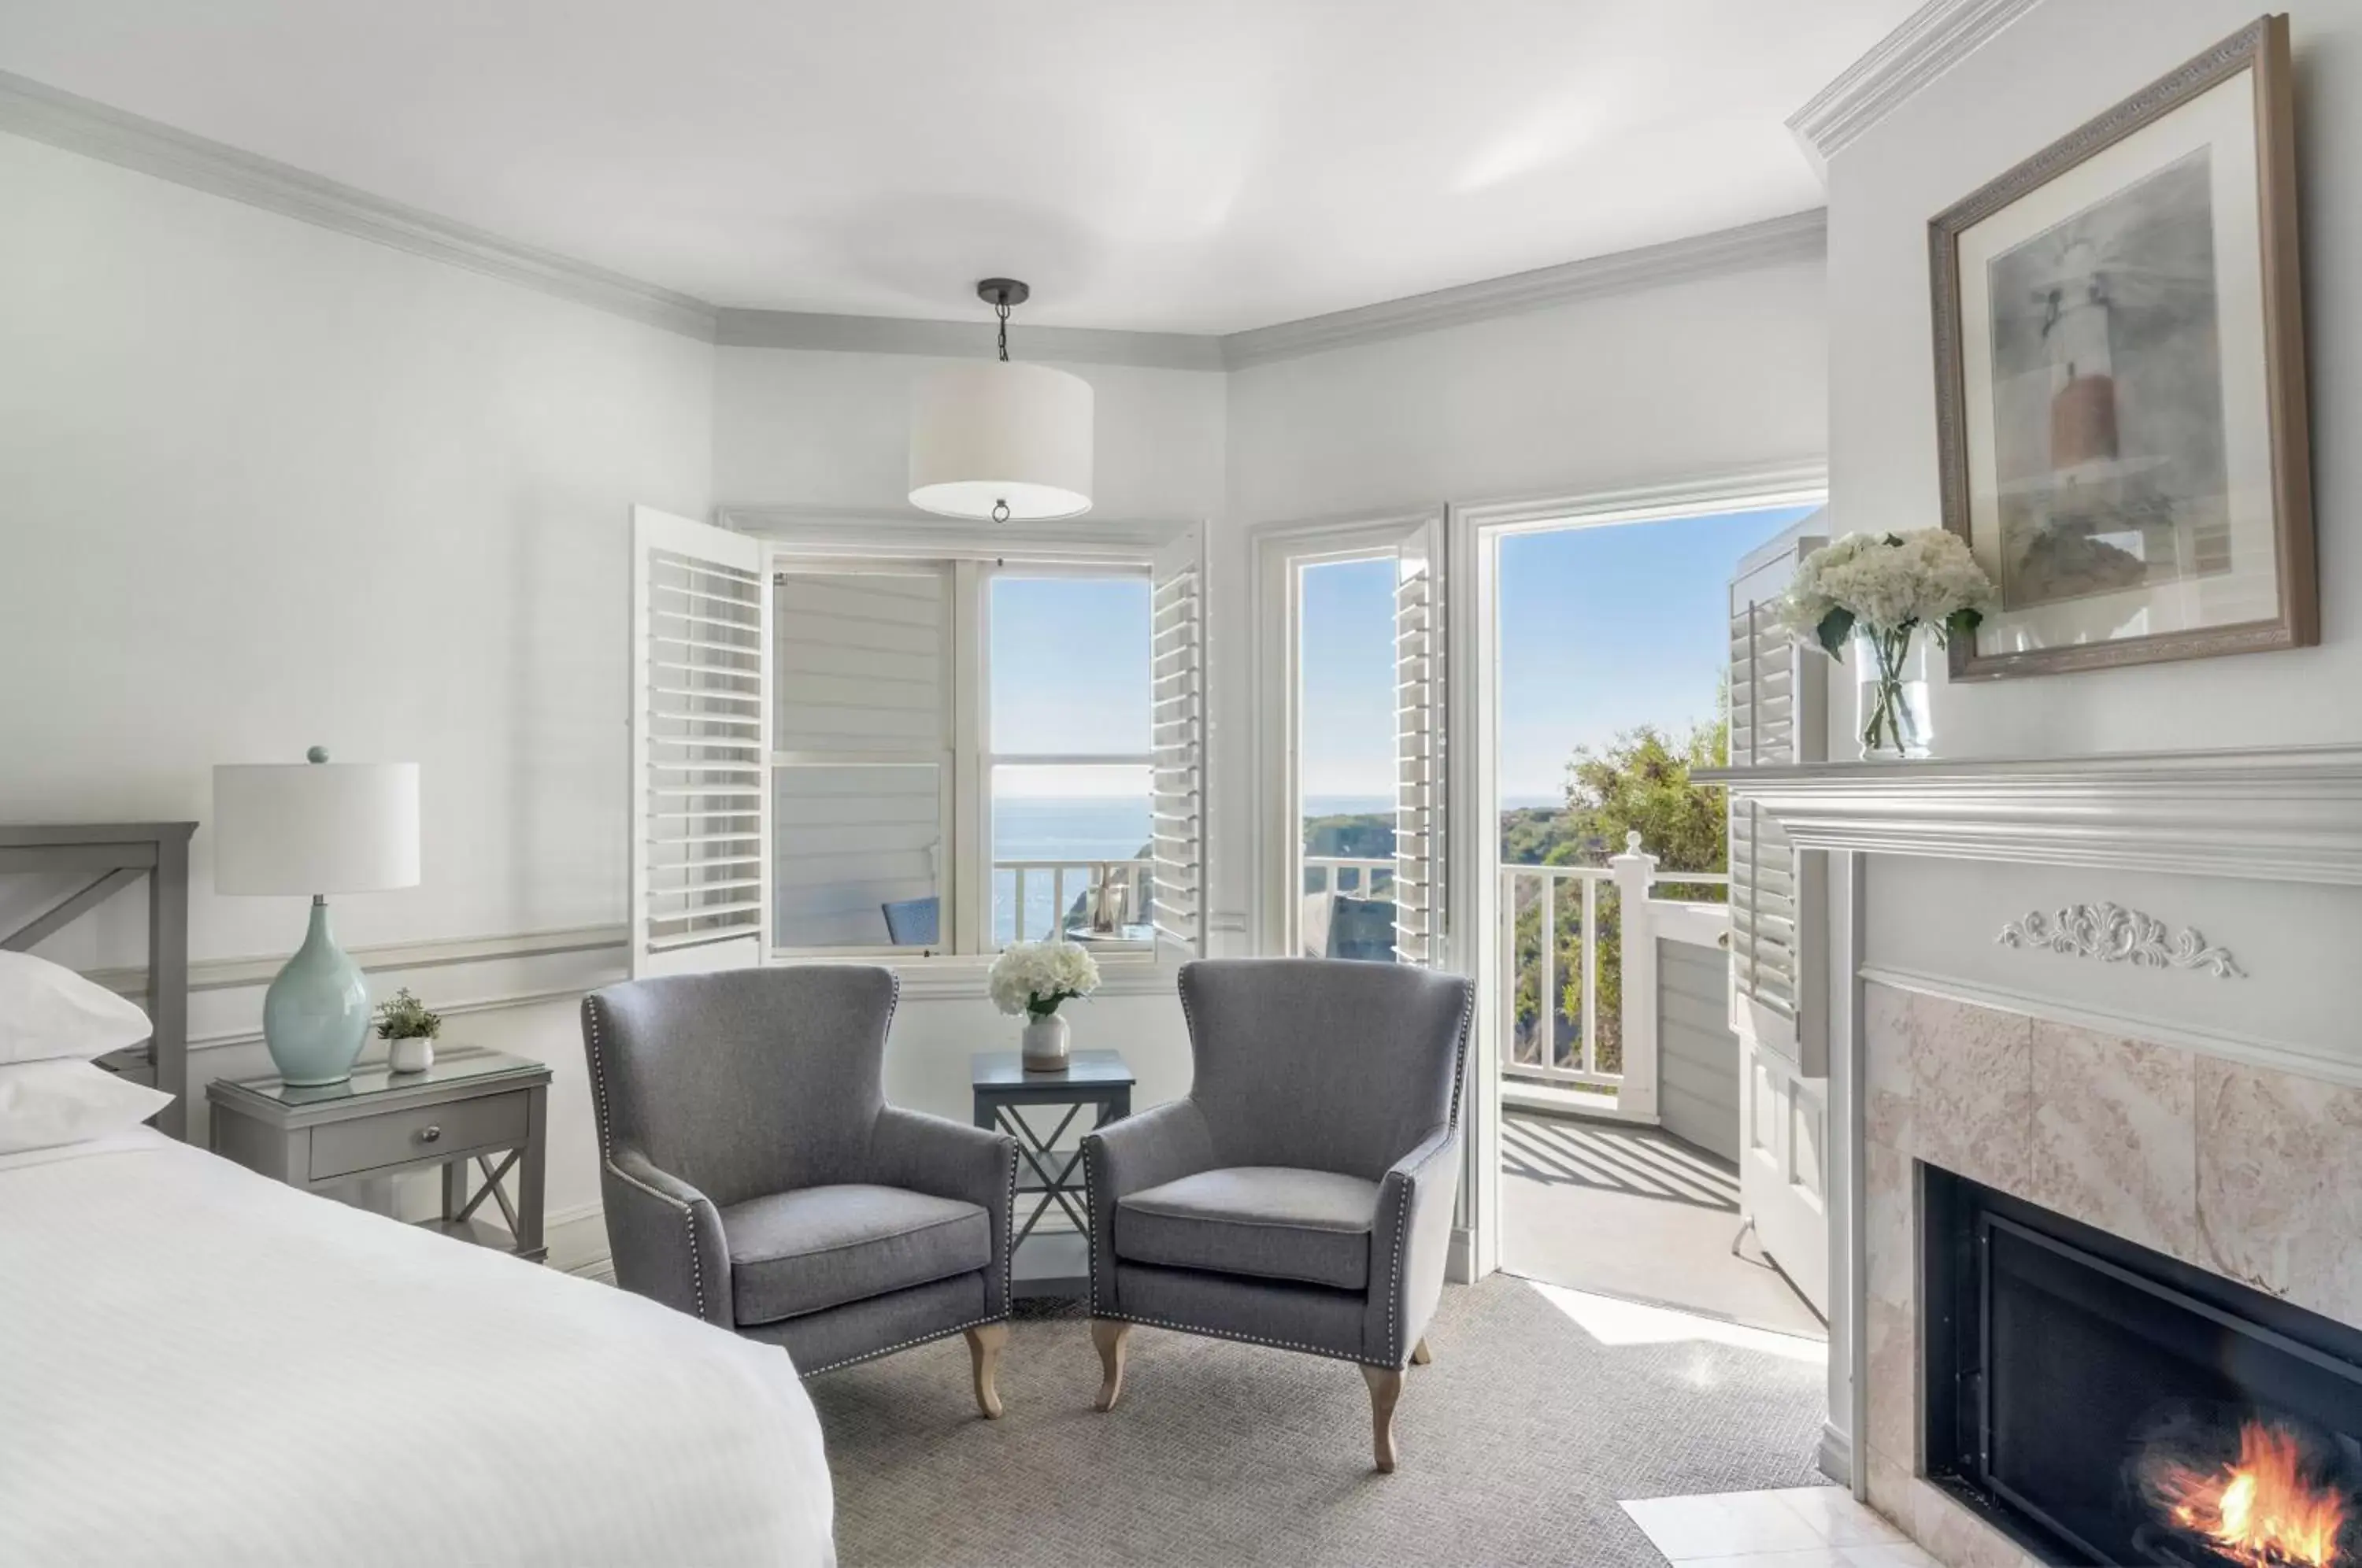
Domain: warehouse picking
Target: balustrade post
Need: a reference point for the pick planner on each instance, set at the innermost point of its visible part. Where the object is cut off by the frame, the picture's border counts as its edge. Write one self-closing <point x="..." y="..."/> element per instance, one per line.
<point x="1635" y="871"/>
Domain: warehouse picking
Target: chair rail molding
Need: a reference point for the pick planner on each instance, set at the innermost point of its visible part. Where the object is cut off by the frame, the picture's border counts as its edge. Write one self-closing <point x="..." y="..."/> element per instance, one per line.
<point x="2288" y="815"/>
<point x="1931" y="40"/>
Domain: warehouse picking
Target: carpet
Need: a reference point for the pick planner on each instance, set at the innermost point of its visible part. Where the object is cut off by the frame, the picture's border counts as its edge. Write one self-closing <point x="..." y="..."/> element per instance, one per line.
<point x="1515" y="1445"/>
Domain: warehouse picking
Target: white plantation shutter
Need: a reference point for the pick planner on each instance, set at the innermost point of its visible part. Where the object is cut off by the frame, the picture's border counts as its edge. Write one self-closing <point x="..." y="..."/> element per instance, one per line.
<point x="1778" y="715"/>
<point x="1176" y="698"/>
<point x="1418" y="747"/>
<point x="700" y="678"/>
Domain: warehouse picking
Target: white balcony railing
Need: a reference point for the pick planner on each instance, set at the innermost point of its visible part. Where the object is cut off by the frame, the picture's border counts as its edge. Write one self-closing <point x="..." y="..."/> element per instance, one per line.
<point x="1556" y="921"/>
<point x="1357" y="877"/>
<point x="1113" y="893"/>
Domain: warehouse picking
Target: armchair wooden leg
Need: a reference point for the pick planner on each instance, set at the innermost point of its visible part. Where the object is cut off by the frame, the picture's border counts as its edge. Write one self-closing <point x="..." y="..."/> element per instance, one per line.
<point x="1113" y="1337"/>
<point x="984" y="1355"/>
<point x="1386" y="1387"/>
<point x="1418" y="1355"/>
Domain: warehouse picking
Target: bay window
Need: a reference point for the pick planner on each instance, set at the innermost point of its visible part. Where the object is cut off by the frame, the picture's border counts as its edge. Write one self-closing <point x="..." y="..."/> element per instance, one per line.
<point x="962" y="751"/>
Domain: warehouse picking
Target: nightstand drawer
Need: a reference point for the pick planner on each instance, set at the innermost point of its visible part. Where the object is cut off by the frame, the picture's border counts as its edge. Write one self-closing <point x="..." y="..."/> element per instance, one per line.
<point x="341" y="1148"/>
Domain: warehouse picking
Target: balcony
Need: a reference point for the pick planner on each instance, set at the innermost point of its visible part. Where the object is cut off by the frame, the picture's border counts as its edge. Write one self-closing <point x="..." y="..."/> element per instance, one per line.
<point x="1110" y="902"/>
<point x="1582" y="982"/>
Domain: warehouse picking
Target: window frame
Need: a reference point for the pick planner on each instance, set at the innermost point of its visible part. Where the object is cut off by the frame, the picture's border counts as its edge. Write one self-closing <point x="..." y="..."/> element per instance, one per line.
<point x="943" y="758"/>
<point x="1281" y="553"/>
<point x="985" y="861"/>
<point x="797" y="540"/>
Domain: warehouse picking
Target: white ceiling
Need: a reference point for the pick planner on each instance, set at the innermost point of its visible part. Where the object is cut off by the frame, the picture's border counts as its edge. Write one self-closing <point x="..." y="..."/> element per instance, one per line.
<point x="1170" y="165"/>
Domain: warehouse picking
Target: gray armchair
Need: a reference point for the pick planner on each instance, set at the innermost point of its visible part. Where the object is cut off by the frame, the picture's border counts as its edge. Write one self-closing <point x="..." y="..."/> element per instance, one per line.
<point x="755" y="1177"/>
<point x="1301" y="1195"/>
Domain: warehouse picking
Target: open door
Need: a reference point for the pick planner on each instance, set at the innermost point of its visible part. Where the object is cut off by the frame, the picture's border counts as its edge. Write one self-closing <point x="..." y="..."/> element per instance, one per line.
<point x="1419" y="745"/>
<point x="1177" y="710"/>
<point x="700" y="850"/>
<point x="1778" y="910"/>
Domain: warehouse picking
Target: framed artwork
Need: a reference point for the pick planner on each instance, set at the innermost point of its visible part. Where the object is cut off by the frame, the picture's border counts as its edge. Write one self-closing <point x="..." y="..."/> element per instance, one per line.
<point x="2120" y="381"/>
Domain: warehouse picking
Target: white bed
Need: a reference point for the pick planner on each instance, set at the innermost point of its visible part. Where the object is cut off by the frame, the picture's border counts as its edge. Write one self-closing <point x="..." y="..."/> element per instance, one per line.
<point x="200" y="1366"/>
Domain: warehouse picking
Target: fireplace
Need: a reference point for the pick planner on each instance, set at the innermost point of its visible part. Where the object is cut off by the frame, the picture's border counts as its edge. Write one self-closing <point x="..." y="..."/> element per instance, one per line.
<point x="2103" y="1403"/>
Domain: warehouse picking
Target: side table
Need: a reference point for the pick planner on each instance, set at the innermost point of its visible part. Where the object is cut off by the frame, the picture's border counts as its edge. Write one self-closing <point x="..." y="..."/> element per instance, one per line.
<point x="471" y="1106"/>
<point x="1003" y="1090"/>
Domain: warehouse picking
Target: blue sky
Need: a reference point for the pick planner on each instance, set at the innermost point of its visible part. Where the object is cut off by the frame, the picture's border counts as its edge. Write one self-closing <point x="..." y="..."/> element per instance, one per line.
<point x="1602" y="629"/>
<point x="1070" y="675"/>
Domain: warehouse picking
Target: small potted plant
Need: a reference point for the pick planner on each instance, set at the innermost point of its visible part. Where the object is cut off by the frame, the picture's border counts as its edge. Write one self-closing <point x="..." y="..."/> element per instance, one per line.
<point x="1881" y="591"/>
<point x="1033" y="978"/>
<point x="409" y="1030"/>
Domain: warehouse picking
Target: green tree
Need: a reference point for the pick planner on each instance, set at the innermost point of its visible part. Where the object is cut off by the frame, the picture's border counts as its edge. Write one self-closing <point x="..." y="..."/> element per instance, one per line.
<point x="1639" y="783"/>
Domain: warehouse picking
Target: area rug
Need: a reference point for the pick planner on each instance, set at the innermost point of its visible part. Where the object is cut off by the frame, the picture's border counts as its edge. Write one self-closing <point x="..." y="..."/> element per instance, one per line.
<point x="1515" y="1445"/>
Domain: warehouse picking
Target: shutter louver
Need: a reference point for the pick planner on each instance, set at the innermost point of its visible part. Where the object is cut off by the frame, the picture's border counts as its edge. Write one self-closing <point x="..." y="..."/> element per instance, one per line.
<point x="700" y="813"/>
<point x="1176" y="698"/>
<point x="1418" y="750"/>
<point x="1777" y="717"/>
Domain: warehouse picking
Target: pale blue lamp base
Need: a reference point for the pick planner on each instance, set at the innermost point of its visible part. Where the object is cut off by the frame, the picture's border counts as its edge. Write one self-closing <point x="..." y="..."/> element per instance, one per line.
<point x="316" y="1014"/>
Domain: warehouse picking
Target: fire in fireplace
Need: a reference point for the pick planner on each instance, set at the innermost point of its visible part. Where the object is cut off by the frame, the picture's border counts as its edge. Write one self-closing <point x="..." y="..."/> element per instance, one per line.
<point x="2103" y="1403"/>
<point x="2277" y="1504"/>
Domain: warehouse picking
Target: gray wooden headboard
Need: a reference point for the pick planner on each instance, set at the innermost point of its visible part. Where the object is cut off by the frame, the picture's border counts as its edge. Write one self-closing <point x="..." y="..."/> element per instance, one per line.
<point x="116" y="855"/>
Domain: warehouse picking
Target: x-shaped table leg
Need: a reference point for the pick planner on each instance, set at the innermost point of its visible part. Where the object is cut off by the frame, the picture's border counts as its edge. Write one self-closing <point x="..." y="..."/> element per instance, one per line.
<point x="492" y="1189"/>
<point x="1036" y="1149"/>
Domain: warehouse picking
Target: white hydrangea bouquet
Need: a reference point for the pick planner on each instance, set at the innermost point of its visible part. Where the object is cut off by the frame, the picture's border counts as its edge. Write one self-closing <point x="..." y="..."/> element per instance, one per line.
<point x="1879" y="589"/>
<point x="1035" y="979"/>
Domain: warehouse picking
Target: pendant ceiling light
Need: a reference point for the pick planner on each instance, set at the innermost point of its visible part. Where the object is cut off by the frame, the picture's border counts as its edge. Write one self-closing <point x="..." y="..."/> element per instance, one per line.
<point x="1000" y="440"/>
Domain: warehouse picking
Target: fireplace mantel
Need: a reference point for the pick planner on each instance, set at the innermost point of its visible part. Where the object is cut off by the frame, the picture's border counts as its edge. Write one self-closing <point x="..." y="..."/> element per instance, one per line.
<point x="2292" y="814"/>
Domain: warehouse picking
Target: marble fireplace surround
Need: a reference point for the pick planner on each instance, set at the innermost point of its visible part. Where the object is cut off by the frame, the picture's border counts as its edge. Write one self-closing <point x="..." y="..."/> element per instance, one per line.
<point x="2103" y="1100"/>
<point x="2243" y="1170"/>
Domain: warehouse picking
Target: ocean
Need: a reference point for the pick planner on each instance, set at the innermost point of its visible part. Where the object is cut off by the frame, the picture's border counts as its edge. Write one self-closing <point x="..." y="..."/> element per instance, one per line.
<point x="1073" y="830"/>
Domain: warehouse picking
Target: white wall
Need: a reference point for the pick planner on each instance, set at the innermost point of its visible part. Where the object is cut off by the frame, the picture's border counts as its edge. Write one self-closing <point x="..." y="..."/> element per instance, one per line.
<point x="2039" y="78"/>
<point x="263" y="485"/>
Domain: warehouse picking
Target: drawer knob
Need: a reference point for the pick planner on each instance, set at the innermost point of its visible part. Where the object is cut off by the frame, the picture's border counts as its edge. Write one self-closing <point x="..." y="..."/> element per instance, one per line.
<point x="428" y="1134"/>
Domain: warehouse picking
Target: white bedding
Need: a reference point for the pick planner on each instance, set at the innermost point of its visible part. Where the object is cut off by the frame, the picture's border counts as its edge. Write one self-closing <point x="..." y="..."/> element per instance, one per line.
<point x="199" y="1366"/>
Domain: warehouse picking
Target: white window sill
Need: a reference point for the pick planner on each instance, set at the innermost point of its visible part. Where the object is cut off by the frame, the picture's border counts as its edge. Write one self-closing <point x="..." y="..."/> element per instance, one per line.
<point x="956" y="976"/>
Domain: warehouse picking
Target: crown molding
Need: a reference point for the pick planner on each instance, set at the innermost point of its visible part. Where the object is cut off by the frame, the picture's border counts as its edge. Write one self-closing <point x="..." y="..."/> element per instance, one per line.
<point x="2280" y="815"/>
<point x="1931" y="40"/>
<point x="819" y="332"/>
<point x="30" y="109"/>
<point x="1799" y="236"/>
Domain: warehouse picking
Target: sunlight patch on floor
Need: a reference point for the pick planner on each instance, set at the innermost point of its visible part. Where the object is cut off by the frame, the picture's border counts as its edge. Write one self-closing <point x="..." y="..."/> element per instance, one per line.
<point x="1614" y="1321"/>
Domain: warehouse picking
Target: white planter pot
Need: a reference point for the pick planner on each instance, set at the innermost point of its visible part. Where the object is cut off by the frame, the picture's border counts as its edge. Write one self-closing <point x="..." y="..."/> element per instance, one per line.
<point x="1043" y="1044"/>
<point x="412" y="1055"/>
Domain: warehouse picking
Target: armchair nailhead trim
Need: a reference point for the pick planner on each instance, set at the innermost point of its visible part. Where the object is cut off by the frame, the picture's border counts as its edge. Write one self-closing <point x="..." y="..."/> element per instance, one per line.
<point x="1001" y="1317"/>
<point x="607" y="1156"/>
<point x="1203" y="1333"/>
<point x="598" y="1074"/>
<point x="688" y="1224"/>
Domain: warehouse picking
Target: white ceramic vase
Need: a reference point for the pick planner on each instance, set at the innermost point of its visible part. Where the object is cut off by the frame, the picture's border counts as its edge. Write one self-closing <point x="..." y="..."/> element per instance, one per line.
<point x="412" y="1054"/>
<point x="1043" y="1046"/>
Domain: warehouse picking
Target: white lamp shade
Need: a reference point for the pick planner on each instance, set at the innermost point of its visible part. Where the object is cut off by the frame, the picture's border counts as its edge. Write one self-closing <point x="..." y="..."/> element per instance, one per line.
<point x="997" y="434"/>
<point x="315" y="827"/>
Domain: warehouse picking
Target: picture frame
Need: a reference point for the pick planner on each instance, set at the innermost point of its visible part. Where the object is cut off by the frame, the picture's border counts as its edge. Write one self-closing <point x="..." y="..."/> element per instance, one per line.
<point x="2120" y="384"/>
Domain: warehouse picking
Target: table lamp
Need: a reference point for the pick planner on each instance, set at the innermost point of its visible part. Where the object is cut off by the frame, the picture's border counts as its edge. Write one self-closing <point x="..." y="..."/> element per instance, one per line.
<point x="315" y="827"/>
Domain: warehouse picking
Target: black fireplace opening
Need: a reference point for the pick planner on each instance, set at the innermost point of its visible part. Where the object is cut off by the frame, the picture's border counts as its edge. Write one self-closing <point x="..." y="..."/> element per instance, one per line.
<point x="2103" y="1403"/>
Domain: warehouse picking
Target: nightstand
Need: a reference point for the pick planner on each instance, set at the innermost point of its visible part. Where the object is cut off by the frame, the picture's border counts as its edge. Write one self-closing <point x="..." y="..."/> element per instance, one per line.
<point x="1058" y="1263"/>
<point x="472" y="1108"/>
